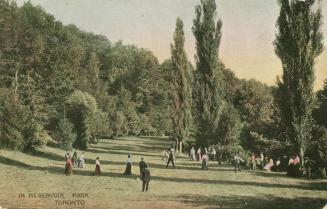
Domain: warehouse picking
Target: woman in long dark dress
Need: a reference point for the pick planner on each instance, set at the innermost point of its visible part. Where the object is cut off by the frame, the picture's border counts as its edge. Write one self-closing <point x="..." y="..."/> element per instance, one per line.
<point x="97" y="167"/>
<point x="128" y="170"/>
<point x="69" y="166"/>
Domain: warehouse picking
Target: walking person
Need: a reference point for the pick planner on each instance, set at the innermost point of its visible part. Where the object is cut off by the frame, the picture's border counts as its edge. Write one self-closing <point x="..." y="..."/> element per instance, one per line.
<point x="213" y="152"/>
<point x="142" y="166"/>
<point x="171" y="159"/>
<point x="81" y="161"/>
<point x="75" y="159"/>
<point x="262" y="160"/>
<point x="128" y="170"/>
<point x="192" y="154"/>
<point x="237" y="162"/>
<point x="253" y="161"/>
<point x="97" y="167"/>
<point x="205" y="162"/>
<point x="146" y="179"/>
<point x="198" y="154"/>
<point x="69" y="166"/>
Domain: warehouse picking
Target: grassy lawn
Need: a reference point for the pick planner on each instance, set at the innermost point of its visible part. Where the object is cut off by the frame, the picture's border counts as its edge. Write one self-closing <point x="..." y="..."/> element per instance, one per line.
<point x="186" y="186"/>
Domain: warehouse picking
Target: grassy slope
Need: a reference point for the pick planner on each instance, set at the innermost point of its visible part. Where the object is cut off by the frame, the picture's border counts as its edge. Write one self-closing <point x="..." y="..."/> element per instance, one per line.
<point x="184" y="187"/>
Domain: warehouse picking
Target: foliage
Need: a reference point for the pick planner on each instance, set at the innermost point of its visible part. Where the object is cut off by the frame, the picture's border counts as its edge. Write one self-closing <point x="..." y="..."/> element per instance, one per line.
<point x="181" y="92"/>
<point x="65" y="134"/>
<point x="207" y="89"/>
<point x="298" y="43"/>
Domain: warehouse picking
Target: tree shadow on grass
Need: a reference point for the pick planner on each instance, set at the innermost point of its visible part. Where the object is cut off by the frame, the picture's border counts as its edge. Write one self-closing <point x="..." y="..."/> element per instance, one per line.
<point x="248" y="202"/>
<point x="303" y="186"/>
<point x="52" y="169"/>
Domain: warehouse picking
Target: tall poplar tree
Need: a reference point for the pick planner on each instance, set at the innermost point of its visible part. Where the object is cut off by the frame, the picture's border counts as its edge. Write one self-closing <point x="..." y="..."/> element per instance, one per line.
<point x="181" y="93"/>
<point x="208" y="75"/>
<point x="298" y="43"/>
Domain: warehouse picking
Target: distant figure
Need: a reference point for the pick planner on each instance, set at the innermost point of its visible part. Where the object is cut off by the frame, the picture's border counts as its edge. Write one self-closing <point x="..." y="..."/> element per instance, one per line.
<point x="192" y="153"/>
<point x="296" y="160"/>
<point x="75" y="158"/>
<point x="206" y="151"/>
<point x="97" y="167"/>
<point x="205" y="162"/>
<point x="198" y="154"/>
<point x="128" y="170"/>
<point x="81" y="161"/>
<point x="262" y="160"/>
<point x="277" y="166"/>
<point x="213" y="152"/>
<point x="142" y="166"/>
<point x="146" y="179"/>
<point x="69" y="166"/>
<point x="307" y="166"/>
<point x="67" y="155"/>
<point x="237" y="162"/>
<point x="269" y="165"/>
<point x="253" y="161"/>
<point x="164" y="155"/>
<point x="171" y="158"/>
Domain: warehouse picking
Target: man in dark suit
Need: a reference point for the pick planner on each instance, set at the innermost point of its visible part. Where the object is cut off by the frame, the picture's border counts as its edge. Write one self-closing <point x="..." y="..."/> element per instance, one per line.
<point x="145" y="179"/>
<point x="142" y="166"/>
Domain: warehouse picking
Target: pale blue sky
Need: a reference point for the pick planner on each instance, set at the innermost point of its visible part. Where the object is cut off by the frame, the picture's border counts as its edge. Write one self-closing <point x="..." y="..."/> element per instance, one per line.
<point x="248" y="29"/>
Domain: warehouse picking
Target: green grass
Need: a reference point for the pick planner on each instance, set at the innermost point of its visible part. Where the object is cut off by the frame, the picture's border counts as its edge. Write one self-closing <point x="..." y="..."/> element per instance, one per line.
<point x="186" y="186"/>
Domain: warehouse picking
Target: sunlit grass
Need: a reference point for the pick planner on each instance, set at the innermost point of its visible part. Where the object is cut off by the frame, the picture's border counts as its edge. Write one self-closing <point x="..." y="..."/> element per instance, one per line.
<point x="186" y="186"/>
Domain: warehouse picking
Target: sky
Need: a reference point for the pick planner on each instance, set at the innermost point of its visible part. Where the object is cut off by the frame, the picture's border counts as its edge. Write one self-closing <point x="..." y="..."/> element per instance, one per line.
<point x="248" y="29"/>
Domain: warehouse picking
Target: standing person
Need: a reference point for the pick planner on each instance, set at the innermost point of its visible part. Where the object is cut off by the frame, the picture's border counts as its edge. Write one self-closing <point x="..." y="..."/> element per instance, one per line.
<point x="97" y="167"/>
<point x="205" y="162"/>
<point x="254" y="161"/>
<point x="261" y="160"/>
<point x="198" y="154"/>
<point x="81" y="161"/>
<point x="171" y="159"/>
<point x="192" y="153"/>
<point x="307" y="166"/>
<point x="213" y="152"/>
<point x="75" y="158"/>
<point x="128" y="170"/>
<point x="146" y="179"/>
<point x="67" y="155"/>
<point x="69" y="166"/>
<point x="142" y="166"/>
<point x="237" y="162"/>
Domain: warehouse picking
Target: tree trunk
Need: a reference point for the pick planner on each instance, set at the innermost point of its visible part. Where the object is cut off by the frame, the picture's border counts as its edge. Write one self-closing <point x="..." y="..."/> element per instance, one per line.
<point x="180" y="147"/>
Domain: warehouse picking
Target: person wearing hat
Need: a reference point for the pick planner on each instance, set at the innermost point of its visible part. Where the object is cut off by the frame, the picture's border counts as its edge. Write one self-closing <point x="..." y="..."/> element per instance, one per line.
<point x="142" y="166"/>
<point x="145" y="179"/>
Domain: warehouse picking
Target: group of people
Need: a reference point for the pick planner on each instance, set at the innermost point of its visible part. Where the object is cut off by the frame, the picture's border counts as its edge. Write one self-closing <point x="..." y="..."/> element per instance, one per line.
<point x="203" y="156"/>
<point x="198" y="155"/>
<point x="74" y="161"/>
<point x="263" y="162"/>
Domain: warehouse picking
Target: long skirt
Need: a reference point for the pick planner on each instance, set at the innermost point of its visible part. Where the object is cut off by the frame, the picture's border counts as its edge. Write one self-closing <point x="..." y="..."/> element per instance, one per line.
<point x="97" y="170"/>
<point x="68" y="170"/>
<point x="128" y="170"/>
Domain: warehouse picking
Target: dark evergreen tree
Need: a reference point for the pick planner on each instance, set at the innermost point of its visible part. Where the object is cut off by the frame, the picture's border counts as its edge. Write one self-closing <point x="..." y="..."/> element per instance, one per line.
<point x="298" y="43"/>
<point x="181" y="93"/>
<point x="208" y="76"/>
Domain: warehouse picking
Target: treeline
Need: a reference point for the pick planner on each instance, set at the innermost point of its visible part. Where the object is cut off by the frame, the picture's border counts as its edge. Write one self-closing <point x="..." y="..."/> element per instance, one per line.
<point x="58" y="83"/>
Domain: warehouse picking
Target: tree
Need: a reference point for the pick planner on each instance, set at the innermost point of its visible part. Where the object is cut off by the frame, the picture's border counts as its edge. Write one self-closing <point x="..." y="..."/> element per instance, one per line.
<point x="298" y="43"/>
<point x="207" y="91"/>
<point x="321" y="111"/>
<point x="181" y="93"/>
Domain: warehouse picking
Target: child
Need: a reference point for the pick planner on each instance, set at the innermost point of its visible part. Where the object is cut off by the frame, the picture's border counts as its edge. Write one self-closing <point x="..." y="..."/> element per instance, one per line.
<point x="97" y="167"/>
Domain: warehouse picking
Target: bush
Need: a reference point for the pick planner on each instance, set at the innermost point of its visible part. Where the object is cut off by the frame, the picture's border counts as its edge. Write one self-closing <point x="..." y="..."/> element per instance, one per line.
<point x="65" y="134"/>
<point x="83" y="112"/>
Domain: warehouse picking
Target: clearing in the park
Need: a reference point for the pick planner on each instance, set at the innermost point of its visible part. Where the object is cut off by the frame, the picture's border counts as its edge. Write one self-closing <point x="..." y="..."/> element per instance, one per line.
<point x="38" y="181"/>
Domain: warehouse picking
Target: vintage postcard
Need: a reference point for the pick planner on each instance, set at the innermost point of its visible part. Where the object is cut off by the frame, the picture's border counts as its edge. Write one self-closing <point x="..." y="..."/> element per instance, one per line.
<point x="163" y="104"/>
